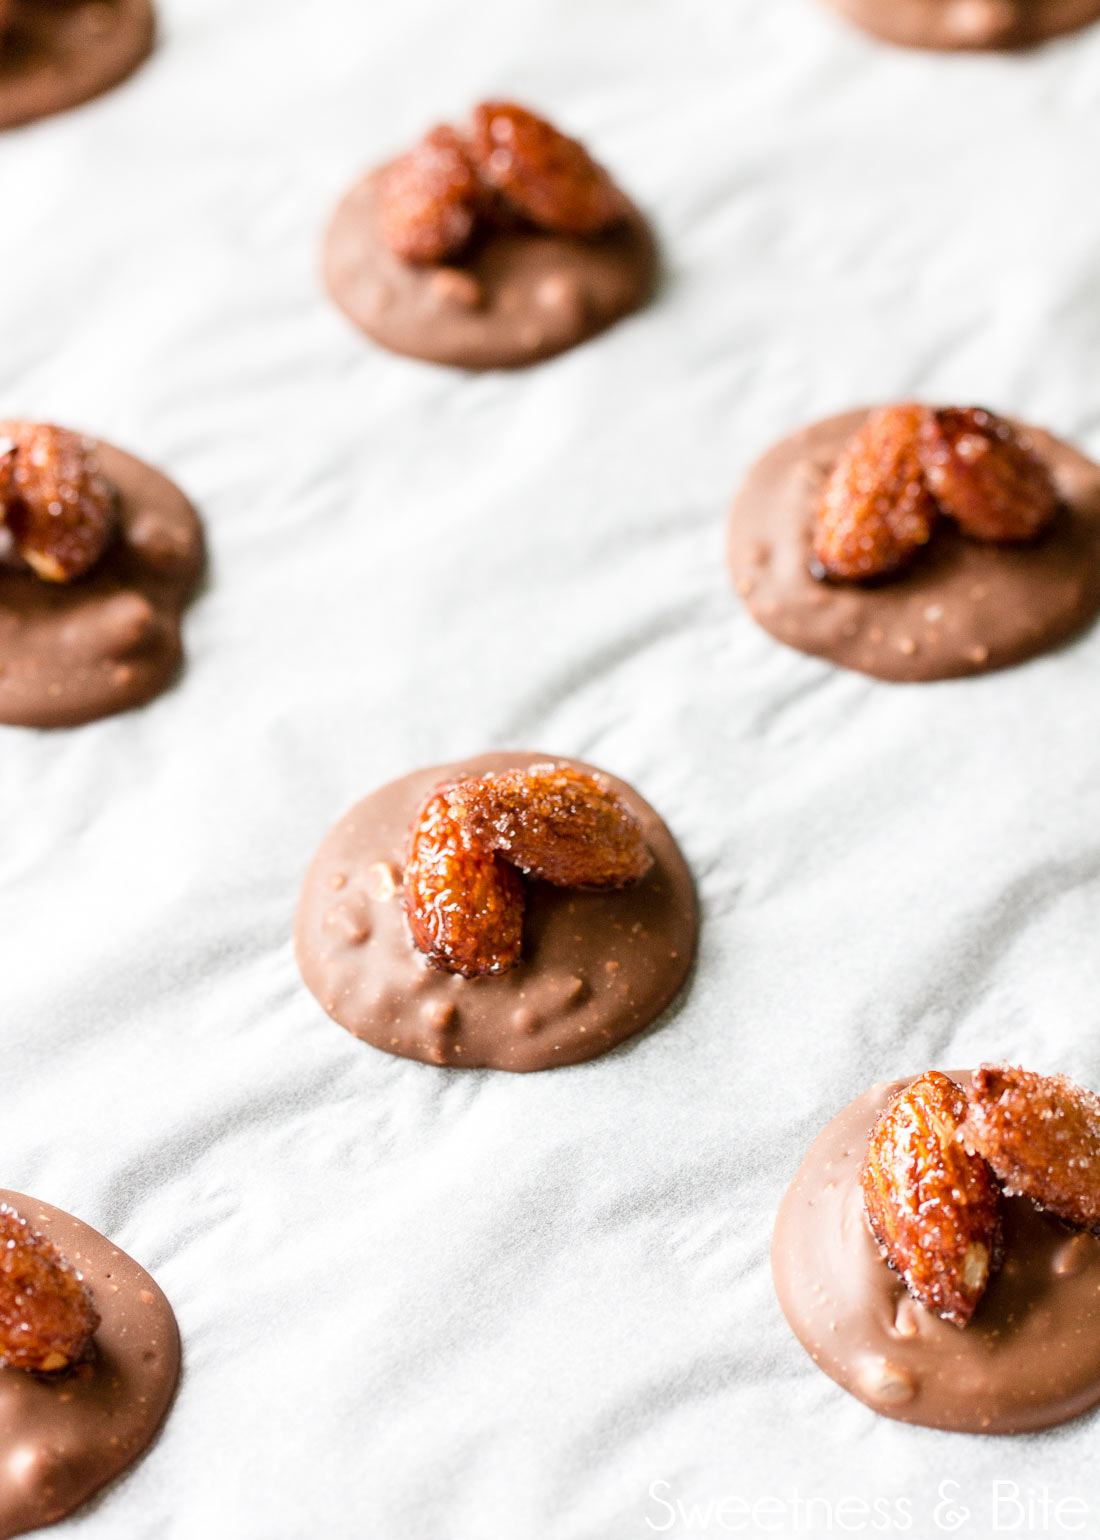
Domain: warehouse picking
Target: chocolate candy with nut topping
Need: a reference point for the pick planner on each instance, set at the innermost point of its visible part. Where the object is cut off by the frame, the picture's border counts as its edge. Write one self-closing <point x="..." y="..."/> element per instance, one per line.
<point x="961" y="607"/>
<point x="109" y="640"/>
<point x="596" y="967"/>
<point x="63" y="1435"/>
<point x="1030" y="1356"/>
<point x="556" y="254"/>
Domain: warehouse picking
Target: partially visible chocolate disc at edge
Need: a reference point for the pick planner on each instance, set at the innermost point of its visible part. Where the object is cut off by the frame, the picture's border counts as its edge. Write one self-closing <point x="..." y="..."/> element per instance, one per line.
<point x="62" y="1438"/>
<point x="955" y="24"/>
<point x="72" y="652"/>
<point x="1030" y="1357"/>
<point x="962" y="607"/>
<point x="55" y="54"/>
<point x="596" y="967"/>
<point x="514" y="299"/>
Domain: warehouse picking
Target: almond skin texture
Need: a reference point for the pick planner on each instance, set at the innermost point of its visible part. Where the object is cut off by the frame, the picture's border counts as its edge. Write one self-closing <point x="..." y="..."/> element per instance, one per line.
<point x="57" y="504"/>
<point x="429" y="199"/>
<point x="556" y="823"/>
<point x="931" y="1204"/>
<point x="1041" y="1136"/>
<point x="876" y="511"/>
<point x="551" y="179"/>
<point x="985" y="475"/>
<point x="464" y="904"/>
<point x="47" y="1318"/>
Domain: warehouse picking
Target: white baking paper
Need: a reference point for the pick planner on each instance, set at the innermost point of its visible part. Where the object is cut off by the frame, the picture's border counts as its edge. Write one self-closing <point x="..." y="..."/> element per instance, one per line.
<point x="422" y="1304"/>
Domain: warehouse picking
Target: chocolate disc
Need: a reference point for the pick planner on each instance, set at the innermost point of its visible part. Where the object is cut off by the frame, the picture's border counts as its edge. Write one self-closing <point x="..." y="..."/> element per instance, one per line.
<point x="515" y="299"/>
<point x="56" y="53"/>
<point x="1030" y="1357"/>
<point x="962" y="607"/>
<point x="954" y="24"/>
<point x="71" y="652"/>
<point x="596" y="967"/>
<point x="62" y="1438"/>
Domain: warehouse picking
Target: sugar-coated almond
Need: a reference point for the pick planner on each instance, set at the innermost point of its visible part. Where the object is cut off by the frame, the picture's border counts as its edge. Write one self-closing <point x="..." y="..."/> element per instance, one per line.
<point x="1041" y="1136"/>
<point x="932" y="1205"/>
<point x="464" y="904"/>
<point x="47" y="1318"/>
<point x="557" y="823"/>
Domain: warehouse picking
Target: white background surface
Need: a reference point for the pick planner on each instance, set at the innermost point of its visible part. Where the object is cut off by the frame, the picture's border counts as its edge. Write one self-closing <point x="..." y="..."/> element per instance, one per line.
<point x="426" y="1303"/>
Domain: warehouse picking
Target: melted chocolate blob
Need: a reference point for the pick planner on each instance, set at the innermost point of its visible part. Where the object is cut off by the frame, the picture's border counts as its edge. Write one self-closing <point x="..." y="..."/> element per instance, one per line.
<point x="596" y="968"/>
<point x="952" y="24"/>
<point x="962" y="607"/>
<point x="514" y="299"/>
<point x="71" y="652"/>
<point x="1030" y="1357"/>
<point x="57" y="53"/>
<point x="62" y="1438"/>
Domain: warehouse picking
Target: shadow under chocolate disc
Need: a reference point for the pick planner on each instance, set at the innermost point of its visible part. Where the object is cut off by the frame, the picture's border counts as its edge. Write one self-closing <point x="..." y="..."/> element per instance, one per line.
<point x="596" y="967"/>
<point x="962" y="607"/>
<point x="73" y="652"/>
<point x="1029" y="1359"/>
<point x="955" y="24"/>
<point x="514" y="299"/>
<point x="58" y="53"/>
<point x="61" y="1439"/>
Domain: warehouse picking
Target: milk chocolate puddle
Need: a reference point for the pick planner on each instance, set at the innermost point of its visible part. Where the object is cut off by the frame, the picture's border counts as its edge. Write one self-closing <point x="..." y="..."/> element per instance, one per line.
<point x="597" y="967"/>
<point x="72" y="652"/>
<point x="514" y="299"/>
<point x="58" y="53"/>
<point x="1029" y="1359"/>
<point x="963" y="607"/>
<point x="62" y="1439"/>
<point x="954" y="24"/>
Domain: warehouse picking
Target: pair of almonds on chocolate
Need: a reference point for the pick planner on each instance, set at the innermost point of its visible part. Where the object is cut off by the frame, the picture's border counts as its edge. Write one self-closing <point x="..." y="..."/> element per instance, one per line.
<point x="508" y="168"/>
<point x="598" y="963"/>
<point x="464" y="896"/>
<point x="908" y="467"/>
<point x="939" y="1156"/>
<point x="57" y="506"/>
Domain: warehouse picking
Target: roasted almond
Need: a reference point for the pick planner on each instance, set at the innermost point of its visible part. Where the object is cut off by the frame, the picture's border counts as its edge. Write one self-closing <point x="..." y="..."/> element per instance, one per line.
<point x="985" y="474"/>
<point x="876" y="511"/>
<point x="549" y="178"/>
<point x="47" y="1318"/>
<point x="464" y="904"/>
<point x="1040" y="1135"/>
<point x="931" y="1204"/>
<point x="429" y="199"/>
<point x="56" y="502"/>
<point x="557" y="823"/>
